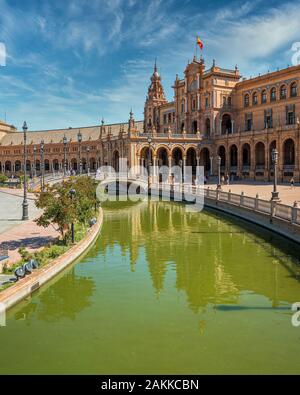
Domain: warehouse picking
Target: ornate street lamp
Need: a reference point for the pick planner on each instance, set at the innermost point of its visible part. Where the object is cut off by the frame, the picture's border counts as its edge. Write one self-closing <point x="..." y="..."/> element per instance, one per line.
<point x="65" y="141"/>
<point x="72" y="195"/>
<point x="219" y="172"/>
<point x="34" y="161"/>
<point x="42" y="165"/>
<point x="88" y="160"/>
<point x="79" y="138"/>
<point x="25" y="202"/>
<point x="275" y="193"/>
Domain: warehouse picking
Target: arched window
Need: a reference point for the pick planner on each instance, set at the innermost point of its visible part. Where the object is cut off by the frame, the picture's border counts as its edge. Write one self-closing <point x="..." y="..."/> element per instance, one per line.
<point x="273" y="94"/>
<point x="182" y="107"/>
<point x="194" y="127"/>
<point x="246" y="100"/>
<point x="207" y="127"/>
<point x="289" y="152"/>
<point x="283" y="92"/>
<point x="233" y="156"/>
<point x="264" y="96"/>
<point x="246" y="155"/>
<point x="226" y="125"/>
<point x="294" y="89"/>
<point x="260" y="154"/>
<point x="254" y="99"/>
<point x="222" y="154"/>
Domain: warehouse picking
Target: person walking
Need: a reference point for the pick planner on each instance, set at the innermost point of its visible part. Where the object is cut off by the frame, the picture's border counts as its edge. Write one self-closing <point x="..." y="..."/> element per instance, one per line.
<point x="292" y="182"/>
<point x="227" y="179"/>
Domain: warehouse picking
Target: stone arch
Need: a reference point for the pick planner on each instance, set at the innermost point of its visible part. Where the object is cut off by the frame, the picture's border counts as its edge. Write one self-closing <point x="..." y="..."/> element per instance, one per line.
<point x="254" y="98"/>
<point x="93" y="164"/>
<point x="194" y="127"/>
<point x="191" y="159"/>
<point x="47" y="165"/>
<point x="55" y="165"/>
<point x="177" y="156"/>
<point x="37" y="165"/>
<point x="207" y="127"/>
<point x="7" y="166"/>
<point x="289" y="152"/>
<point x="246" y="100"/>
<point x="18" y="166"/>
<point x="246" y="155"/>
<point x="205" y="159"/>
<point x="115" y="160"/>
<point x="273" y="94"/>
<point x="293" y="89"/>
<point x="233" y="156"/>
<point x="260" y="154"/>
<point x="283" y="91"/>
<point x="28" y="165"/>
<point x="162" y="154"/>
<point x="222" y="155"/>
<point x="74" y="164"/>
<point x="146" y="157"/>
<point x="226" y="124"/>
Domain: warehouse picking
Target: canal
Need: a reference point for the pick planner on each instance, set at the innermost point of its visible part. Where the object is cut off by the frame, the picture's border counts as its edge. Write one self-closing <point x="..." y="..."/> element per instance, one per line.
<point x="164" y="290"/>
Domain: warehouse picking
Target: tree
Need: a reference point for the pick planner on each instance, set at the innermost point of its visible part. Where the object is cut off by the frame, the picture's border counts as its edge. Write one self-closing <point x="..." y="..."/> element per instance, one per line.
<point x="3" y="178"/>
<point x="59" y="208"/>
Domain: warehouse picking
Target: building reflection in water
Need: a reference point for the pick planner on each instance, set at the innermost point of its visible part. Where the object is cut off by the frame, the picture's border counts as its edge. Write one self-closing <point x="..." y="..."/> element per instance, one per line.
<point x="210" y="259"/>
<point x="215" y="259"/>
<point x="57" y="301"/>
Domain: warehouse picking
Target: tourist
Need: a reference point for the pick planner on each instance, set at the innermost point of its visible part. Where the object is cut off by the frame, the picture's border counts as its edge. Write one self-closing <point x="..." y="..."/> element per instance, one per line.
<point x="222" y="180"/>
<point x="227" y="179"/>
<point x="292" y="182"/>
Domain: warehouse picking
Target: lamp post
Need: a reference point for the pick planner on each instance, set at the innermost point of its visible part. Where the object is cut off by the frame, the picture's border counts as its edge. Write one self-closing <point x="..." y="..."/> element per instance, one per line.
<point x="88" y="160"/>
<point x="219" y="172"/>
<point x="25" y="202"/>
<point x="34" y="161"/>
<point x="79" y="138"/>
<point x="72" y="195"/>
<point x="42" y="166"/>
<point x="149" y="161"/>
<point x="275" y="193"/>
<point x="65" y="141"/>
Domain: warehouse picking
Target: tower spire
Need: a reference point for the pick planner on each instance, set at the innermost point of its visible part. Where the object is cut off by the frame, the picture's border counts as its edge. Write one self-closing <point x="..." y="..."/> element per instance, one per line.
<point x="155" y="66"/>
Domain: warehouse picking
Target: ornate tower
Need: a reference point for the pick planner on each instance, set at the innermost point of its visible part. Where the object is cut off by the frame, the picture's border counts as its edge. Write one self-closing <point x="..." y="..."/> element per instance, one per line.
<point x="155" y="98"/>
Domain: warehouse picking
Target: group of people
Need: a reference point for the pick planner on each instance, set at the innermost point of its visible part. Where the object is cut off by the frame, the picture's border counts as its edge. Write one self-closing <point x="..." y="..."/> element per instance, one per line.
<point x="225" y="179"/>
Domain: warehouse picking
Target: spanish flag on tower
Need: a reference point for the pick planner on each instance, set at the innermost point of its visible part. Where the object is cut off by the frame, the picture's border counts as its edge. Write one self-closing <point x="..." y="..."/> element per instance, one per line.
<point x="200" y="43"/>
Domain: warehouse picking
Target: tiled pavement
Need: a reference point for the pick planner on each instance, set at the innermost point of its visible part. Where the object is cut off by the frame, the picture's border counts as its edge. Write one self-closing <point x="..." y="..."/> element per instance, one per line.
<point x="15" y="233"/>
<point x="287" y="194"/>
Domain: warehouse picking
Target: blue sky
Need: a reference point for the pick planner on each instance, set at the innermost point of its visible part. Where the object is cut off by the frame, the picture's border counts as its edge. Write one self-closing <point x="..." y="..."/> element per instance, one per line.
<point x="71" y="62"/>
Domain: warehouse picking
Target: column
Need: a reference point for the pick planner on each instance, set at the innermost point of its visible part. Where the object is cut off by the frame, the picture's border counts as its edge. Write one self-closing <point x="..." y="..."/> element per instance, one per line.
<point x="184" y="168"/>
<point x="155" y="169"/>
<point x="170" y="167"/>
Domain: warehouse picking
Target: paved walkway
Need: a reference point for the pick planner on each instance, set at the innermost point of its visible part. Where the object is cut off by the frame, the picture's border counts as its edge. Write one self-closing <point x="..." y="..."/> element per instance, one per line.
<point x="15" y="233"/>
<point x="264" y="190"/>
<point x="11" y="208"/>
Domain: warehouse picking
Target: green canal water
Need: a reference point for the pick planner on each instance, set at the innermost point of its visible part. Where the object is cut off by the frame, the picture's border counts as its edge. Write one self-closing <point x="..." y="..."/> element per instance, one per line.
<point x="164" y="290"/>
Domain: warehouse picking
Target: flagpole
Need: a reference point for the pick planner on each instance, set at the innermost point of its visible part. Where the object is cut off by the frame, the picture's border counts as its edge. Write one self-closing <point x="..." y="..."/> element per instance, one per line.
<point x="196" y="49"/>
